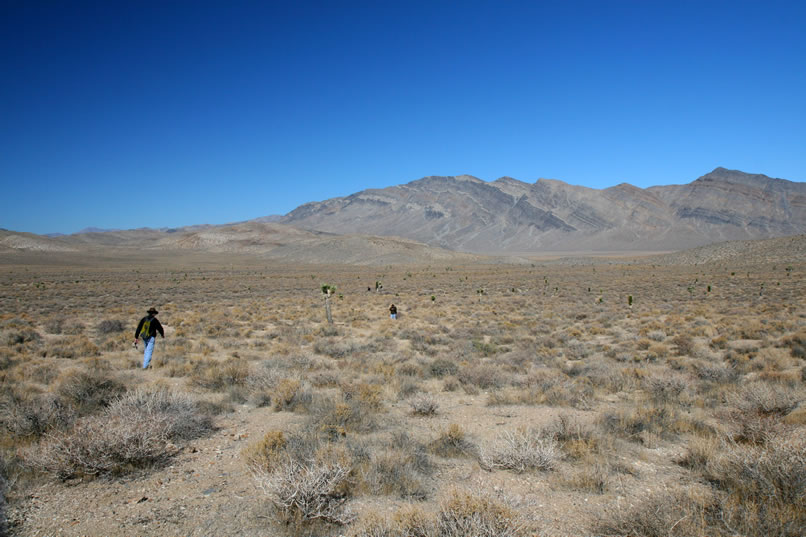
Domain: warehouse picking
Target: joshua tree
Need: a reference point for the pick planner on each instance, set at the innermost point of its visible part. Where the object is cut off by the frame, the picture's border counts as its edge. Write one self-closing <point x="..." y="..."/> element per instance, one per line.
<point x="327" y="291"/>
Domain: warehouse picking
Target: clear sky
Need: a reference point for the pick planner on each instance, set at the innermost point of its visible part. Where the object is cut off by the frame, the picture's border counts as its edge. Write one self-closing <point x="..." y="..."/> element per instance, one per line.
<point x="170" y="113"/>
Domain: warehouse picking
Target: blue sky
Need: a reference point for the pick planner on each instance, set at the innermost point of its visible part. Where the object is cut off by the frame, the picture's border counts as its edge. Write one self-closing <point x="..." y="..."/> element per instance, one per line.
<point x="171" y="113"/>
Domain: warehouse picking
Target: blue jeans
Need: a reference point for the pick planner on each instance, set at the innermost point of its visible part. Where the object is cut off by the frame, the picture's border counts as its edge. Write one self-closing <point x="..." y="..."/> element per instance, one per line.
<point x="149" y="348"/>
<point x="393" y="316"/>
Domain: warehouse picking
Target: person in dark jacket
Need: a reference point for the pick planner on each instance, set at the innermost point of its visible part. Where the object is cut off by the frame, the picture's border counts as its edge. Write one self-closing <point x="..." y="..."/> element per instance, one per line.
<point x="147" y="329"/>
<point x="393" y="312"/>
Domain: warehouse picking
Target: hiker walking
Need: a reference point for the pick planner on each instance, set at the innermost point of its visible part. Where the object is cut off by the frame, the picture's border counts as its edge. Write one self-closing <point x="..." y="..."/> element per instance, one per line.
<point x="393" y="312"/>
<point x="147" y="329"/>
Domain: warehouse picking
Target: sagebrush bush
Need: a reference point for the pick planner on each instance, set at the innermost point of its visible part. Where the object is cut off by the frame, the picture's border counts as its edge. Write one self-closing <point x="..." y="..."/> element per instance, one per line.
<point x="266" y="453"/>
<point x="134" y="432"/>
<point x="289" y="394"/>
<point x="452" y="442"/>
<point x="765" y="486"/>
<point x="88" y="390"/>
<point x="521" y="450"/>
<point x="667" y="514"/>
<point x="110" y="326"/>
<point x="178" y="413"/>
<point x="220" y="376"/>
<point x="309" y="489"/>
<point x="32" y="415"/>
<point x="424" y="404"/>
<point x="463" y="514"/>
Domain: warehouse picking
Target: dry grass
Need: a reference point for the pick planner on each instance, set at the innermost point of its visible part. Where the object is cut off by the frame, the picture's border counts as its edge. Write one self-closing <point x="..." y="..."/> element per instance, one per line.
<point x="547" y="383"/>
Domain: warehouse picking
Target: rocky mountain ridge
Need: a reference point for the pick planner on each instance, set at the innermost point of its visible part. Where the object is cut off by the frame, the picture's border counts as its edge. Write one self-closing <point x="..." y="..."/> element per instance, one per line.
<point x="508" y="216"/>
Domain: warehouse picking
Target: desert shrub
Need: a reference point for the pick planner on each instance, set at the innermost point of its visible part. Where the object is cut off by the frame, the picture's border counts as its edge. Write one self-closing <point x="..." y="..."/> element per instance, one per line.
<point x="266" y="453"/>
<point x="666" y="514"/>
<point x="665" y="389"/>
<point x="304" y="491"/>
<point x="483" y="376"/>
<point x="110" y="326"/>
<point x="700" y="452"/>
<point x="220" y="376"/>
<point x="656" y="335"/>
<point x="21" y="336"/>
<point x="553" y="390"/>
<point x="54" y="326"/>
<point x="32" y="415"/>
<point x="452" y="442"/>
<point x="593" y="478"/>
<point x="335" y="348"/>
<point x="684" y="344"/>
<point x="716" y="373"/>
<point x="521" y="450"/>
<point x="407" y="521"/>
<point x="400" y="471"/>
<point x="408" y="369"/>
<point x="290" y="394"/>
<point x="451" y="384"/>
<point x="765" y="398"/>
<point x="796" y="344"/>
<point x="765" y="486"/>
<point x="423" y="404"/>
<point x="100" y="446"/>
<point x="463" y="514"/>
<point x="88" y="390"/>
<point x="407" y="388"/>
<point x="325" y="379"/>
<point x="179" y="414"/>
<point x="442" y="367"/>
<point x="78" y="347"/>
<point x="134" y="432"/>
<point x="578" y="441"/>
<point x="3" y="518"/>
<point x="369" y="395"/>
<point x="333" y="418"/>
<point x="646" y="422"/>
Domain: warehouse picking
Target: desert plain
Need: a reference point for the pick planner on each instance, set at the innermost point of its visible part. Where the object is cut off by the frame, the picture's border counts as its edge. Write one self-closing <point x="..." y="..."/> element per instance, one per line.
<point x="655" y="395"/>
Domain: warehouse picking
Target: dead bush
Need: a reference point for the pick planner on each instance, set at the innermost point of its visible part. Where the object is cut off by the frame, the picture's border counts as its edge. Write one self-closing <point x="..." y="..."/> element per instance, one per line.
<point x="669" y="514"/>
<point x="21" y="336"/>
<point x="521" y="450"/>
<point x="306" y="491"/>
<point x="442" y="367"/>
<point x="767" y="399"/>
<point x="32" y="415"/>
<point x="88" y="390"/>
<point x="423" y="404"/>
<point x="483" y="376"/>
<point x="110" y="326"/>
<point x="221" y="376"/>
<point x="291" y="395"/>
<point x="266" y="453"/>
<point x="463" y="514"/>
<point x="134" y="432"/>
<point x="399" y="471"/>
<point x="765" y="486"/>
<point x="179" y="413"/>
<point x="452" y="442"/>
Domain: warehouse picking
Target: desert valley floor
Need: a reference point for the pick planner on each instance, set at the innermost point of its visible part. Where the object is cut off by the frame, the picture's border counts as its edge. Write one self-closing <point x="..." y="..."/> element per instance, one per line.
<point x="586" y="396"/>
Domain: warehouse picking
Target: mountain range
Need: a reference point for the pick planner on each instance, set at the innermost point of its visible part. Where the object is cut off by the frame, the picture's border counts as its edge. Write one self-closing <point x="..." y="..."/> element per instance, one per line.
<point x="458" y="218"/>
<point x="508" y="216"/>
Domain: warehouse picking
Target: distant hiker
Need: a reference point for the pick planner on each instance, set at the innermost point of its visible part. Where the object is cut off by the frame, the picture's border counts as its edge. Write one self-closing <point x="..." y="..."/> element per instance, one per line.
<point x="147" y="329"/>
<point x="393" y="312"/>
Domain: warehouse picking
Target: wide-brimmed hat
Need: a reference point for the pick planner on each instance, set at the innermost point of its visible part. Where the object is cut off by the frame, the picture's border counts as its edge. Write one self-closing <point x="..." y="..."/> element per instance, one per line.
<point x="152" y="311"/>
